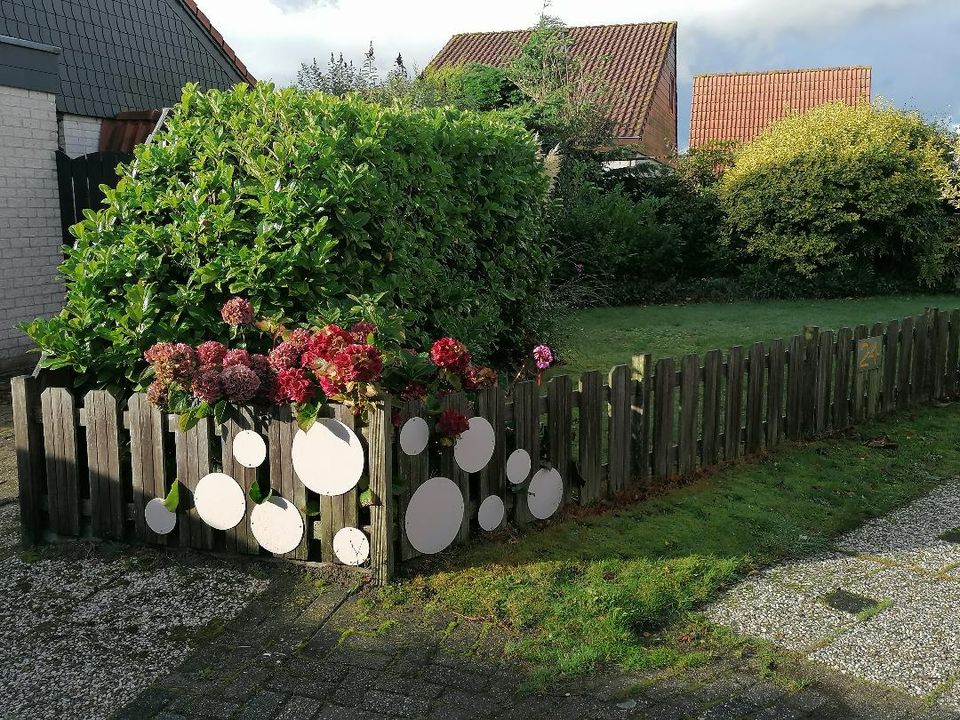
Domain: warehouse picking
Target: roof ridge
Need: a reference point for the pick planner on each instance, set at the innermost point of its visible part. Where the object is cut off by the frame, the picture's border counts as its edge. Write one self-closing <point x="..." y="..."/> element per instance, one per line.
<point x="569" y="27"/>
<point x="785" y="71"/>
<point x="218" y="40"/>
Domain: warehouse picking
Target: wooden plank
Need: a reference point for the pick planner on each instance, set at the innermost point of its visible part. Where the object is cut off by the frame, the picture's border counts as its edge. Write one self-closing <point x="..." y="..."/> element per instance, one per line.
<point x="560" y="428"/>
<point x="619" y="432"/>
<point x="811" y="339"/>
<point x="28" y="441"/>
<point x="193" y="462"/>
<point x="952" y="379"/>
<point x="905" y="363"/>
<point x="590" y="431"/>
<point x="794" y="387"/>
<point x="732" y="425"/>
<point x="108" y="505"/>
<point x="874" y="379"/>
<point x="843" y="363"/>
<point x="60" y="435"/>
<point x="940" y="332"/>
<point x="339" y="511"/>
<point x="148" y="438"/>
<point x="824" y="372"/>
<point x="858" y="400"/>
<point x="891" y="336"/>
<point x="775" y="370"/>
<point x="918" y="385"/>
<point x="240" y="539"/>
<point x="280" y="433"/>
<point x="689" y="400"/>
<point x="65" y="192"/>
<point x="450" y="469"/>
<point x="712" y="372"/>
<point x="414" y="470"/>
<point x="380" y="464"/>
<point x="753" y="442"/>
<point x="664" y="380"/>
<point x="642" y="416"/>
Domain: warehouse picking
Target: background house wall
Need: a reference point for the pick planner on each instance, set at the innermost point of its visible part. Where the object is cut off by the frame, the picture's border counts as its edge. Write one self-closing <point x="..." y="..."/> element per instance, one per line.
<point x="79" y="135"/>
<point x="659" y="139"/>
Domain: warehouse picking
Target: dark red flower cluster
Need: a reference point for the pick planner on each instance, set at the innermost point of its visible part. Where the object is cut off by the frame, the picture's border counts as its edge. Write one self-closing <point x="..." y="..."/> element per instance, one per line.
<point x="476" y="377"/>
<point x="211" y="353"/>
<point x="414" y="391"/>
<point x="361" y="331"/>
<point x="450" y="354"/>
<point x="452" y="423"/>
<point x="237" y="311"/>
<point x="294" y="385"/>
<point x="327" y="342"/>
<point x="239" y="383"/>
<point x="358" y="363"/>
<point x="172" y="362"/>
<point x="206" y="385"/>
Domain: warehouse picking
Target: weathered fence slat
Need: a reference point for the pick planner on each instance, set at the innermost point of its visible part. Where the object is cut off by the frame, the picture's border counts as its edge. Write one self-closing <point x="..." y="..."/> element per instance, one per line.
<point x="890" y="339"/>
<point x="905" y="363"/>
<point x="794" y="387"/>
<point x="193" y="462"/>
<point x="824" y="371"/>
<point x="753" y="441"/>
<point x="642" y="416"/>
<point x="148" y="440"/>
<point x="941" y="329"/>
<point x="560" y="428"/>
<point x="240" y="539"/>
<point x="380" y="453"/>
<point x="450" y="469"/>
<point x="859" y="385"/>
<point x="28" y="440"/>
<point x="664" y="382"/>
<point x="712" y="375"/>
<point x="60" y="437"/>
<point x="591" y="432"/>
<point x="921" y="358"/>
<point x="108" y="506"/>
<point x="732" y="425"/>
<point x="689" y="399"/>
<point x="338" y="511"/>
<point x="843" y="359"/>
<point x="808" y="391"/>
<point x="414" y="469"/>
<point x="775" y="369"/>
<point x="621" y="391"/>
<point x="875" y="377"/>
<point x="953" y="349"/>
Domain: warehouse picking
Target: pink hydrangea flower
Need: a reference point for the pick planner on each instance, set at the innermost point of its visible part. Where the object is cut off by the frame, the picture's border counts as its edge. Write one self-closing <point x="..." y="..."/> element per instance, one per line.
<point x="543" y="356"/>
<point x="237" y="356"/>
<point x="286" y="355"/>
<point x="158" y="393"/>
<point x="206" y="386"/>
<point x="237" y="311"/>
<point x="211" y="352"/>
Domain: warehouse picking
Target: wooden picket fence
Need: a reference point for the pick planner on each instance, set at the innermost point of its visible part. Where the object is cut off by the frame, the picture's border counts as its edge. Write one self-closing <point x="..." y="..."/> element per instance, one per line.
<point x="88" y="469"/>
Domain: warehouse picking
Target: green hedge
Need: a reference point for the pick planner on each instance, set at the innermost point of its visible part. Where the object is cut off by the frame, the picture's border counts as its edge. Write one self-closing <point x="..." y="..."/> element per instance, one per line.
<point x="297" y="201"/>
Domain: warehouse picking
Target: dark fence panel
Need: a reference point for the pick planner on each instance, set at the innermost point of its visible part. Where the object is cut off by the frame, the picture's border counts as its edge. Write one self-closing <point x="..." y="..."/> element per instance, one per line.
<point x="79" y="181"/>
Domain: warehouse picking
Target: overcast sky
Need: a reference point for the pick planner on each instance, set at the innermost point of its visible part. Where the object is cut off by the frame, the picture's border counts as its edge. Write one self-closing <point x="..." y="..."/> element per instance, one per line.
<point x="913" y="45"/>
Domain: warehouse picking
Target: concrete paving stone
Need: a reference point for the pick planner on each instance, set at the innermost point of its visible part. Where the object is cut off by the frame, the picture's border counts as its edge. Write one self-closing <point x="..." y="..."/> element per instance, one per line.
<point x="459" y="705"/>
<point x="205" y="706"/>
<point x="168" y="716"/>
<point x="338" y="712"/>
<point x="414" y="687"/>
<point x="393" y="703"/>
<point x="454" y="678"/>
<point x="363" y="658"/>
<point x="300" y="707"/>
<point x="262" y="705"/>
<point x="315" y="688"/>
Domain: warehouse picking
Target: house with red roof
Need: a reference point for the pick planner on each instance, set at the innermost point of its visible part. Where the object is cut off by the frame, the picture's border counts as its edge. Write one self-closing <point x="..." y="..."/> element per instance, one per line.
<point x="636" y="64"/>
<point x="739" y="106"/>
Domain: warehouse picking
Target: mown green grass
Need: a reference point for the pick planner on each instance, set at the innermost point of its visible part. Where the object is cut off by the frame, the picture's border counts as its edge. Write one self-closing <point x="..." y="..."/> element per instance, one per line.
<point x="600" y="338"/>
<point x="621" y="587"/>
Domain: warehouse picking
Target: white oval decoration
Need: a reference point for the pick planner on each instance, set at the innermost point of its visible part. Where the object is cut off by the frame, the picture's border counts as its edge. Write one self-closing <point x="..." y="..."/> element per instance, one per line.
<point x="249" y="449"/>
<point x="414" y="436"/>
<point x="220" y="501"/>
<point x="434" y="515"/>
<point x="351" y="546"/>
<point x="475" y="447"/>
<point x="158" y="518"/>
<point x="491" y="513"/>
<point x="518" y="466"/>
<point x="545" y="493"/>
<point x="328" y="458"/>
<point x="277" y="525"/>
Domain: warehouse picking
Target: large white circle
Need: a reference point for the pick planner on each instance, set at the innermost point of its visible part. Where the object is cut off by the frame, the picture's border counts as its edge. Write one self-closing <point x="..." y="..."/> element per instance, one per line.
<point x="434" y="515"/>
<point x="328" y="458"/>
<point x="518" y="466"/>
<point x="475" y="447"/>
<point x="545" y="493"/>
<point x="220" y="501"/>
<point x="414" y="436"/>
<point x="351" y="546"/>
<point x="491" y="513"/>
<point x="249" y="449"/>
<point x="277" y="525"/>
<point x="158" y="518"/>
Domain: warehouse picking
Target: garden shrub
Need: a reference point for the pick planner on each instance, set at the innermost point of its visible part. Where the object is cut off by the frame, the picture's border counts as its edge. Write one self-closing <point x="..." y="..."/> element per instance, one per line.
<point x="842" y="193"/>
<point x="298" y="201"/>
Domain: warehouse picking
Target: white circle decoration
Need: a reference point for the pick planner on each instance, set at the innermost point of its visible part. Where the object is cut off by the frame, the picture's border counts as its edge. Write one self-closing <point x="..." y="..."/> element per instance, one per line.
<point x="414" y="436"/>
<point x="434" y="515"/>
<point x="220" y="501"/>
<point x="351" y="546"/>
<point x="277" y="525"/>
<point x="475" y="447"/>
<point x="491" y="513"/>
<point x="249" y="449"/>
<point x="158" y="518"/>
<point x="518" y="466"/>
<point x="545" y="493"/>
<point x="328" y="458"/>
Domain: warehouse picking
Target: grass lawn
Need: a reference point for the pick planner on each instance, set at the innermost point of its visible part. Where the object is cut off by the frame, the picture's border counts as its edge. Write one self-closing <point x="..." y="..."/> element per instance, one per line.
<point x="621" y="587"/>
<point x="600" y="338"/>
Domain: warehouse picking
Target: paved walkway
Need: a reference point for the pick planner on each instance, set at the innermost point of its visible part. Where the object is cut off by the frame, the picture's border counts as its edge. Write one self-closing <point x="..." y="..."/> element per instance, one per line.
<point x="885" y="607"/>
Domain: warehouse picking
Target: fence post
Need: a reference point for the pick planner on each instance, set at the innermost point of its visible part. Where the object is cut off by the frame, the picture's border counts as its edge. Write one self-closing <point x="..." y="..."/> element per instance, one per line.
<point x="380" y="444"/>
<point x="619" y="430"/>
<point x="28" y="439"/>
<point x="753" y="442"/>
<point x="795" y="388"/>
<point x="775" y="394"/>
<point x="664" y="380"/>
<point x="643" y="391"/>
<point x="61" y="448"/>
<point x="689" y="399"/>
<point x="108" y="507"/>
<point x="712" y="377"/>
<point x="590" y="433"/>
<point x="732" y="426"/>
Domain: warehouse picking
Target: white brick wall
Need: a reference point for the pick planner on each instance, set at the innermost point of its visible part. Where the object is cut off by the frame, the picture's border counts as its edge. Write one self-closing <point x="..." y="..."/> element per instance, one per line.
<point x="79" y="135"/>
<point x="30" y="235"/>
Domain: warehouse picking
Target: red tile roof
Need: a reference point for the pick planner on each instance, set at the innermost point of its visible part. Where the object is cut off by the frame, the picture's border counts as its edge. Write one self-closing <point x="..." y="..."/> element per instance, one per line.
<point x="628" y="60"/>
<point x="738" y="106"/>
<point x="218" y="40"/>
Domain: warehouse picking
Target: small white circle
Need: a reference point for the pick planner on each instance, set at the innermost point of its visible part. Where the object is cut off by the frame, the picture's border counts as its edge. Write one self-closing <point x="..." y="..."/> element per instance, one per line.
<point x="158" y="518"/>
<point x="249" y="449"/>
<point x="328" y="458"/>
<point x="277" y="525"/>
<point x="351" y="546"/>
<point x="475" y="447"/>
<point x="491" y="513"/>
<point x="518" y="466"/>
<point x="434" y="515"/>
<point x="220" y="501"/>
<point x="545" y="493"/>
<point x="414" y="436"/>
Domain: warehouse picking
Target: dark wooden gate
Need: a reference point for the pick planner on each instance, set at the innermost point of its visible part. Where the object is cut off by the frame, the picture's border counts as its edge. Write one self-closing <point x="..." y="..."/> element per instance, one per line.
<point x="79" y="181"/>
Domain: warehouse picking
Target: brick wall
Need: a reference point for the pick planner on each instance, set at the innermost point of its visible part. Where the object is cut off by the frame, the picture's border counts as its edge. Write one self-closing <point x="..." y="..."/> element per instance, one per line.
<point x="30" y="235"/>
<point x="79" y="135"/>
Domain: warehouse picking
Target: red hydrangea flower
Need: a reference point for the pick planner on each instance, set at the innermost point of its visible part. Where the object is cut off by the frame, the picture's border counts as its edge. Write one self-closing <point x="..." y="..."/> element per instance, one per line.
<point x="211" y="352"/>
<point x="172" y="362"/>
<point x="476" y="377"/>
<point x="361" y="331"/>
<point x="239" y="383"/>
<point x="332" y="386"/>
<point x="358" y="363"/>
<point x="237" y="311"/>
<point x="452" y="423"/>
<point x="450" y="354"/>
<point x="299" y="339"/>
<point x="158" y="393"/>
<point x="413" y="391"/>
<point x="260" y="364"/>
<point x="294" y="385"/>
<point x="236" y="357"/>
<point x="285" y="355"/>
<point x="206" y="386"/>
<point x="328" y="341"/>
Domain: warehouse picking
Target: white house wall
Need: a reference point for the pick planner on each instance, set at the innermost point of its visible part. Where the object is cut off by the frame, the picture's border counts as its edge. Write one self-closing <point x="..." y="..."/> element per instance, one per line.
<point x="79" y="135"/>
